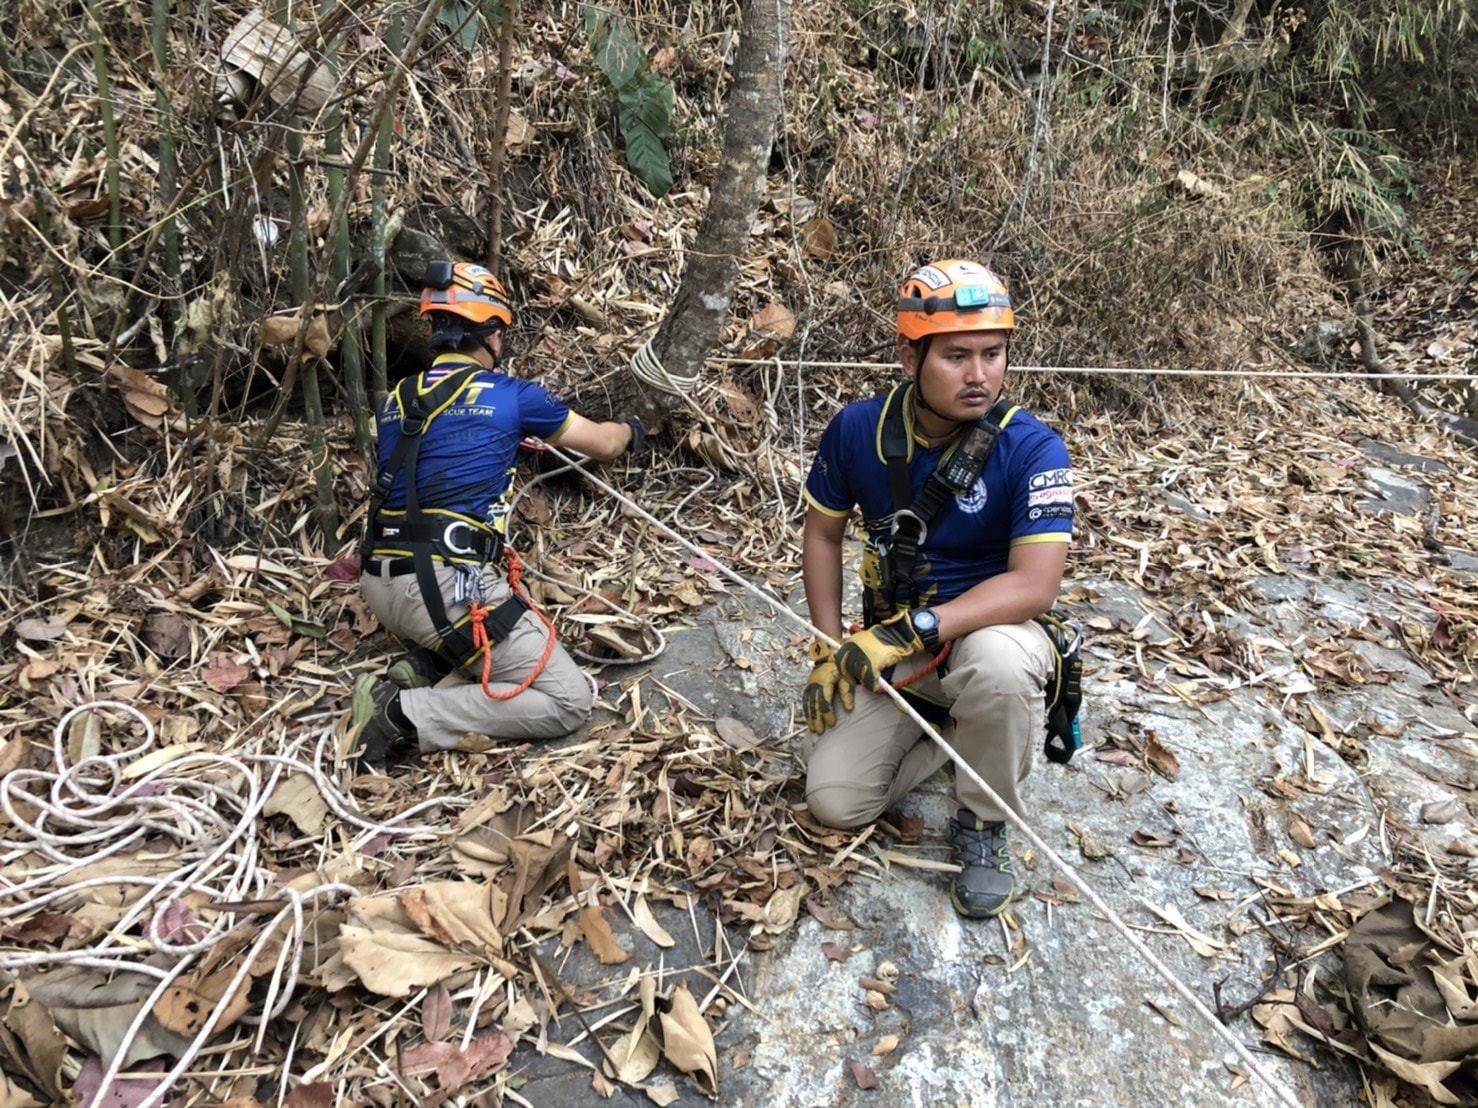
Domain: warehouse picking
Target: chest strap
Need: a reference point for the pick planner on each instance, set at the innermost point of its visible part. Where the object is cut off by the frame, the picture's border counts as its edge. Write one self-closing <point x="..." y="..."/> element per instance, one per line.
<point x="956" y="473"/>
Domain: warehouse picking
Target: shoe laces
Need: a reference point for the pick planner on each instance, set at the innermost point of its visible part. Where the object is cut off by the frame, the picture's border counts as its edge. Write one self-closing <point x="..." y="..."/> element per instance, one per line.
<point x="982" y="846"/>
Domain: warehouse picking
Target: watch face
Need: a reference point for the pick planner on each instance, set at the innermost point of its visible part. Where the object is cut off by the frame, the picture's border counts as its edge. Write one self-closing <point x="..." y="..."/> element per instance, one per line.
<point x="925" y="620"/>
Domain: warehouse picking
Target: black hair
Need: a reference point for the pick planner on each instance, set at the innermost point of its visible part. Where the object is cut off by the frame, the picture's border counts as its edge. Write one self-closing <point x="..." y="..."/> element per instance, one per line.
<point x="455" y="335"/>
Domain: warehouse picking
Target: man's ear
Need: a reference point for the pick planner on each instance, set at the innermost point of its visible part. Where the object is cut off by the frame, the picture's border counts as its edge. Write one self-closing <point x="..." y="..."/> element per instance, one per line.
<point x="908" y="354"/>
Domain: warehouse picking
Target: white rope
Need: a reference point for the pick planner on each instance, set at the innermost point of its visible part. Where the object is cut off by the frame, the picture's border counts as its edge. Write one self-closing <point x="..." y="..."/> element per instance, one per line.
<point x="1130" y="371"/>
<point x="646" y="368"/>
<point x="1283" y="1093"/>
<point x="75" y="815"/>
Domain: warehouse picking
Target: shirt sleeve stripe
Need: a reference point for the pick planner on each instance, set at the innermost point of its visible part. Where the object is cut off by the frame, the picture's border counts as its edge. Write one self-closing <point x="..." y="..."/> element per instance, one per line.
<point x="823" y="509"/>
<point x="563" y="427"/>
<point x="1051" y="536"/>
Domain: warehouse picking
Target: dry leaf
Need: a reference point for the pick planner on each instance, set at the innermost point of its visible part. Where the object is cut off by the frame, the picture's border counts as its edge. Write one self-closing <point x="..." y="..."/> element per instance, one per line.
<point x="454" y="1066"/>
<point x="298" y="798"/>
<point x="662" y="1095"/>
<point x="1300" y="832"/>
<point x="193" y="998"/>
<point x="224" y="675"/>
<point x="736" y="733"/>
<point x="598" y="934"/>
<point x="436" y="1012"/>
<point x="835" y="952"/>
<point x="774" y="319"/>
<point x="688" y="1042"/>
<point x="1161" y="757"/>
<point x="863" y="1075"/>
<point x="886" y="1045"/>
<point x="649" y="925"/>
<point x="820" y="238"/>
<point x="457" y="913"/>
<point x="1424" y="1075"/>
<point x="392" y="960"/>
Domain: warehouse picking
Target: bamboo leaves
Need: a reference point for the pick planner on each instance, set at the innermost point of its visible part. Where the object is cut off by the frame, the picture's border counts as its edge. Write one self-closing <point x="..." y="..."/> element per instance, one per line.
<point x="644" y="101"/>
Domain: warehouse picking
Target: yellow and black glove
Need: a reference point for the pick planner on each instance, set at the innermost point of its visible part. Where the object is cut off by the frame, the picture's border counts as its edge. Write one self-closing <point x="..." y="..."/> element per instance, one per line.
<point x="863" y="657"/>
<point x="818" y="702"/>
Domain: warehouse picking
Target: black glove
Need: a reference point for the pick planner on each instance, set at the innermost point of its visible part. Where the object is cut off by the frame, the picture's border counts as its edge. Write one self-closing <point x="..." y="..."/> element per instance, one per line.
<point x="638" y="434"/>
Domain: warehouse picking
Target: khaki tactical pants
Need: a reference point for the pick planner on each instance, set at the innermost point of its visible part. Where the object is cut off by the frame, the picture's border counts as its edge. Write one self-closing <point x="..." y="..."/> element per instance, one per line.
<point x="995" y="680"/>
<point x="556" y="703"/>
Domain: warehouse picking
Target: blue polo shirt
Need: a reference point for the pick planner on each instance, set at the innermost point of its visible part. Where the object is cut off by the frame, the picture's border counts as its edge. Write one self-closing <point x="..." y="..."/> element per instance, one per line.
<point x="470" y="451"/>
<point x="1024" y="495"/>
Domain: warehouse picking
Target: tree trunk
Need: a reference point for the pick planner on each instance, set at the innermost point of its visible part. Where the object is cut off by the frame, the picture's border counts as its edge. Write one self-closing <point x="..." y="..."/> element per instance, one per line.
<point x="692" y="326"/>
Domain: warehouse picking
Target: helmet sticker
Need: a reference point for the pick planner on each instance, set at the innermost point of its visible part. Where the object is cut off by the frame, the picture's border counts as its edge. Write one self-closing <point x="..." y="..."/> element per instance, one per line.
<point x="932" y="276"/>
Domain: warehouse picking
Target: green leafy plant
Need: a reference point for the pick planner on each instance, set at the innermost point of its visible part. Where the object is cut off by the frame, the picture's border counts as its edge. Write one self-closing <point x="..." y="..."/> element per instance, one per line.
<point x="466" y="19"/>
<point x="644" y="100"/>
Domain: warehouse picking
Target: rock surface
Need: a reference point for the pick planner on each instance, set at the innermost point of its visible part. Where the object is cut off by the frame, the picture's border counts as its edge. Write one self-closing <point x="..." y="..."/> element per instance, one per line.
<point x="1050" y="1005"/>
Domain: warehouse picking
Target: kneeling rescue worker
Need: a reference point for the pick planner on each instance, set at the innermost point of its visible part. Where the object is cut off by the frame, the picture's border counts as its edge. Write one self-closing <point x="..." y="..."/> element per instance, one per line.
<point x="967" y="504"/>
<point x="449" y="440"/>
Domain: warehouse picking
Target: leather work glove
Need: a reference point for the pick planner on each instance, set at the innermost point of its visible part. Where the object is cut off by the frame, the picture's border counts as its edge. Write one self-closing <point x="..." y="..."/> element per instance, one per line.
<point x="863" y="657"/>
<point x="818" y="702"/>
<point x="638" y="433"/>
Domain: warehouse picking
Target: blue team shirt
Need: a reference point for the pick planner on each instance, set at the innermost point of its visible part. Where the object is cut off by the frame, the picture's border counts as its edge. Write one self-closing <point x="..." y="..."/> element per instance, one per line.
<point x="470" y="451"/>
<point x="1024" y="495"/>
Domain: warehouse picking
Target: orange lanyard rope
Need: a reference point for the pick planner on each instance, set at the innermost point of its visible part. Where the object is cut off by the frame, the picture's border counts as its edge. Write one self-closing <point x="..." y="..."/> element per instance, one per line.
<point x="478" y="614"/>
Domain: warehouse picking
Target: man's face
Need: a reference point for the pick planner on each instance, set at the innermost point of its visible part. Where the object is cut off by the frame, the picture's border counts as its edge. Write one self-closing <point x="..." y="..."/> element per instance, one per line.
<point x="962" y="375"/>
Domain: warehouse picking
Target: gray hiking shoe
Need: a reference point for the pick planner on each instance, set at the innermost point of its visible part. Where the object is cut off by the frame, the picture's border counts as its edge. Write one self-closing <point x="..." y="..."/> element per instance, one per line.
<point x="985" y="884"/>
<point x="417" y="669"/>
<point x="373" y="735"/>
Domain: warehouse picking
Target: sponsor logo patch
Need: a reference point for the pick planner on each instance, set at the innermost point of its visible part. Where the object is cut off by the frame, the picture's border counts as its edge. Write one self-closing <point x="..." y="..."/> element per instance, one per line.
<point x="1054" y="511"/>
<point x="1052" y="479"/>
<point x="1062" y="494"/>
<point x="973" y="500"/>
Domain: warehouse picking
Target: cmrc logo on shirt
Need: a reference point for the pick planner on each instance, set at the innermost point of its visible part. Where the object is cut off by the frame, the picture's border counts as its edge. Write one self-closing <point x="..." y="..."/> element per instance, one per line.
<point x="1051" y="479"/>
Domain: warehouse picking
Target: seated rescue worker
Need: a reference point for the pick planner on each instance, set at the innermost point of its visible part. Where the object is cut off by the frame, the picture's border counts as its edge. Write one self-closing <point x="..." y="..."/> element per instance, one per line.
<point x="967" y="505"/>
<point x="432" y="573"/>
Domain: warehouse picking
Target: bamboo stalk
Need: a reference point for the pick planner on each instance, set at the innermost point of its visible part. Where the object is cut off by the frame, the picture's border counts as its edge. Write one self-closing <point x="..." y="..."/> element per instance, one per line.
<point x="379" y="369"/>
<point x="340" y="212"/>
<point x="351" y="356"/>
<point x="508" y="15"/>
<point x="301" y="277"/>
<point x="58" y="290"/>
<point x="110" y="129"/>
<point x="168" y="176"/>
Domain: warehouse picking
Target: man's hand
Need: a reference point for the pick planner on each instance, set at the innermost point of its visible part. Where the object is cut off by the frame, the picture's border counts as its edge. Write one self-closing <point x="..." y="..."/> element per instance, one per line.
<point x="818" y="702"/>
<point x="863" y="657"/>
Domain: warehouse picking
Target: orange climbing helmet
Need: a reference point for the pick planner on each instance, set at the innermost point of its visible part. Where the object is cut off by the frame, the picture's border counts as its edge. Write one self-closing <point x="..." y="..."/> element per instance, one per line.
<point x="466" y="290"/>
<point x="953" y="295"/>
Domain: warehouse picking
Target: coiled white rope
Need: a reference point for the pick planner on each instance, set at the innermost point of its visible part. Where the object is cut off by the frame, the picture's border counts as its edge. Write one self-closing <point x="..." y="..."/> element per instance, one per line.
<point x="75" y="815"/>
<point x="649" y="370"/>
<point x="1277" y="1087"/>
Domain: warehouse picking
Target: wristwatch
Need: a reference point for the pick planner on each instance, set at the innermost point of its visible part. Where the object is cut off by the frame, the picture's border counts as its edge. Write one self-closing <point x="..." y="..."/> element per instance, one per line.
<point x="926" y="625"/>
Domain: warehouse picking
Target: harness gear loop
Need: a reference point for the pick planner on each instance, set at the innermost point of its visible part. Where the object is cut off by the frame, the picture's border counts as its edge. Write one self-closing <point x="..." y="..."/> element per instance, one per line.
<point x="478" y="615"/>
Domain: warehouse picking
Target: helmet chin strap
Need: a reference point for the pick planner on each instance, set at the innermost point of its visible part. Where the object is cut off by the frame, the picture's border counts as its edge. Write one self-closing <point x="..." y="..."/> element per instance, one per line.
<point x="922" y="346"/>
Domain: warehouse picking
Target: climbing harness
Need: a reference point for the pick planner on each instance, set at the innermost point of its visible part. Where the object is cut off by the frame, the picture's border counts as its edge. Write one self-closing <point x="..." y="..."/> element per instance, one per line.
<point x="1278" y="1088"/>
<point x="414" y="539"/>
<point x="897" y="562"/>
